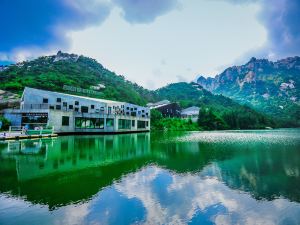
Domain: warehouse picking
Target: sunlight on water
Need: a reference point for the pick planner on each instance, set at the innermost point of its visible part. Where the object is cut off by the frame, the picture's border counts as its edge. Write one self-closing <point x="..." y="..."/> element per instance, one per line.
<point x="262" y="136"/>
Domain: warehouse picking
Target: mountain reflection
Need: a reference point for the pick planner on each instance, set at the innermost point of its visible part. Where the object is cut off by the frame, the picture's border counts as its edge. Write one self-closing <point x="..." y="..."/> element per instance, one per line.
<point x="152" y="172"/>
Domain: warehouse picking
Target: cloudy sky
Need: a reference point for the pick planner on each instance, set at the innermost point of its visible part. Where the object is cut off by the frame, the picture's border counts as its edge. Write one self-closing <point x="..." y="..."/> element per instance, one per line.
<point x="152" y="42"/>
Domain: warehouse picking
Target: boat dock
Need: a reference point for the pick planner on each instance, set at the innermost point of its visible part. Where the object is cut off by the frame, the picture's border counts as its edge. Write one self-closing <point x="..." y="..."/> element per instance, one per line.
<point x="16" y="133"/>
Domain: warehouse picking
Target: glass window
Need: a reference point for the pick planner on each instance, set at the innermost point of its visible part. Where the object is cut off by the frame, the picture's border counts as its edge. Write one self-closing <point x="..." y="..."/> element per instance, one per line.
<point x="109" y="122"/>
<point x="133" y="123"/>
<point x="45" y="100"/>
<point x="76" y="103"/>
<point x="84" y="109"/>
<point x="70" y="106"/>
<point x="58" y="107"/>
<point x="124" y="124"/>
<point x="79" y="122"/>
<point x="141" y="124"/>
<point x="109" y="110"/>
<point x="58" y="100"/>
<point x="92" y="106"/>
<point x="65" y="104"/>
<point x="51" y="107"/>
<point x="76" y="109"/>
<point x="65" y="121"/>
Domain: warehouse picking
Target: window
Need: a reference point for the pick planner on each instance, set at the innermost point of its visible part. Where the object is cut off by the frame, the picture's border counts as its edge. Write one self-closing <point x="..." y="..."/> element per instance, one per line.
<point x="147" y="123"/>
<point x="127" y="108"/>
<point x="89" y="123"/>
<point x="65" y="121"/>
<point x="70" y="106"/>
<point x="92" y="106"/>
<point x="124" y="124"/>
<point x="76" y="110"/>
<point x="84" y="109"/>
<point x="58" y="100"/>
<point x="141" y="124"/>
<point x="133" y="123"/>
<point x="109" y="110"/>
<point x="76" y="103"/>
<point x="58" y="107"/>
<point x="65" y="104"/>
<point x="51" y="107"/>
<point x="133" y="113"/>
<point x="109" y="122"/>
<point x="45" y="100"/>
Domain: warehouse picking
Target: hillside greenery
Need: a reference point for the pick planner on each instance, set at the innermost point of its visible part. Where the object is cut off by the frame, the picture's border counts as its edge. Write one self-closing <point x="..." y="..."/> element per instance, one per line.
<point x="53" y="72"/>
<point x="49" y="74"/>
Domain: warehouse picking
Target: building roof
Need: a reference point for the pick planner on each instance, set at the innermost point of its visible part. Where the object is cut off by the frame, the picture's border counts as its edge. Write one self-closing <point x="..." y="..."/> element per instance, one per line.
<point x="76" y="96"/>
<point x="191" y="110"/>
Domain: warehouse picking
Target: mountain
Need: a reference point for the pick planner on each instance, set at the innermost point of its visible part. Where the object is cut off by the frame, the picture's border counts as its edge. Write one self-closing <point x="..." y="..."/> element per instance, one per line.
<point x="270" y="87"/>
<point x="53" y="72"/>
<point x="231" y="113"/>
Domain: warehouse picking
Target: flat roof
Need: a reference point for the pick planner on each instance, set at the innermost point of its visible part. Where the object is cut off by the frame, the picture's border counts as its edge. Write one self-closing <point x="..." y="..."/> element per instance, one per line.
<point x="77" y="96"/>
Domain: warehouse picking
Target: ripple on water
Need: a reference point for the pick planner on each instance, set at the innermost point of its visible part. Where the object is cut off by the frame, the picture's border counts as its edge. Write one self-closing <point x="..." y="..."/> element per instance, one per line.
<point x="285" y="137"/>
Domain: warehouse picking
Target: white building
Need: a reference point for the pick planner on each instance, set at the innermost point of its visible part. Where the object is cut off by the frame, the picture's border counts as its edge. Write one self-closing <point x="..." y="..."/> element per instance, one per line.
<point x="70" y="113"/>
<point x="191" y="113"/>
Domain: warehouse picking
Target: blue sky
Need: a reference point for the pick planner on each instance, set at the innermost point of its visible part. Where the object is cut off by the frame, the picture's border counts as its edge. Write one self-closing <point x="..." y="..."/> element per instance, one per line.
<point x="152" y="42"/>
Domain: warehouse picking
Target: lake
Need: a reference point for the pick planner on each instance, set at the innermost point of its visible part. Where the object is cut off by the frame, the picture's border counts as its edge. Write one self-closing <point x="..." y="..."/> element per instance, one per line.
<point x="218" y="177"/>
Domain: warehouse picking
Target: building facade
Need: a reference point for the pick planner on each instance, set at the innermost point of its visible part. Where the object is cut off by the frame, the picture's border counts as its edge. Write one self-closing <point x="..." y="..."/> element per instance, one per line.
<point x="169" y="110"/>
<point x="77" y="114"/>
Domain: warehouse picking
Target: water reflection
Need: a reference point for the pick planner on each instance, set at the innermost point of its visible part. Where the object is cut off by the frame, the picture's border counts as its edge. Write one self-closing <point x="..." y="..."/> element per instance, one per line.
<point x="162" y="178"/>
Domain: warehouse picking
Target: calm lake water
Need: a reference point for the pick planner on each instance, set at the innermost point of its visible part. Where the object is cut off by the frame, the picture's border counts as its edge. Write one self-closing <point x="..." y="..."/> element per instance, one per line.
<point x="233" y="177"/>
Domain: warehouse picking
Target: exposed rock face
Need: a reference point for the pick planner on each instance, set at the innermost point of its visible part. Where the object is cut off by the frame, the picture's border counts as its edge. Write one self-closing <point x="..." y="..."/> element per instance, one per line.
<point x="264" y="84"/>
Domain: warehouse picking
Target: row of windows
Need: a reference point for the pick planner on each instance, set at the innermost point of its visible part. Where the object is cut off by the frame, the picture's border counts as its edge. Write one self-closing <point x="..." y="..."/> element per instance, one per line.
<point x="85" y="109"/>
<point x="92" y="123"/>
<point x="98" y="123"/>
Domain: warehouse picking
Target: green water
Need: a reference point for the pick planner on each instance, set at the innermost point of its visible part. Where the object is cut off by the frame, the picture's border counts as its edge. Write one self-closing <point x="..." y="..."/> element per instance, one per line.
<point x="233" y="177"/>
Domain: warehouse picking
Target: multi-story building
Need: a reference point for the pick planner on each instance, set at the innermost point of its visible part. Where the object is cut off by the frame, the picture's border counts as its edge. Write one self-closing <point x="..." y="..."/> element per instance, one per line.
<point x="76" y="114"/>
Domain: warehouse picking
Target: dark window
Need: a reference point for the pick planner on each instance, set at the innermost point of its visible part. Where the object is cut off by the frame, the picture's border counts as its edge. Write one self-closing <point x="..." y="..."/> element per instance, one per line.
<point x="127" y="108"/>
<point x="58" y="107"/>
<point x="143" y="111"/>
<point x="84" y="109"/>
<point x="76" y="103"/>
<point x="45" y="100"/>
<point x="135" y="108"/>
<point x="70" y="106"/>
<point x="92" y="106"/>
<point x="58" y="99"/>
<point x="133" y="113"/>
<point x="65" y="104"/>
<point x="51" y="107"/>
<point x="147" y="123"/>
<point x="65" y="121"/>
<point x="133" y="123"/>
<point x="141" y="124"/>
<point x="76" y="109"/>
<point x="131" y="109"/>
